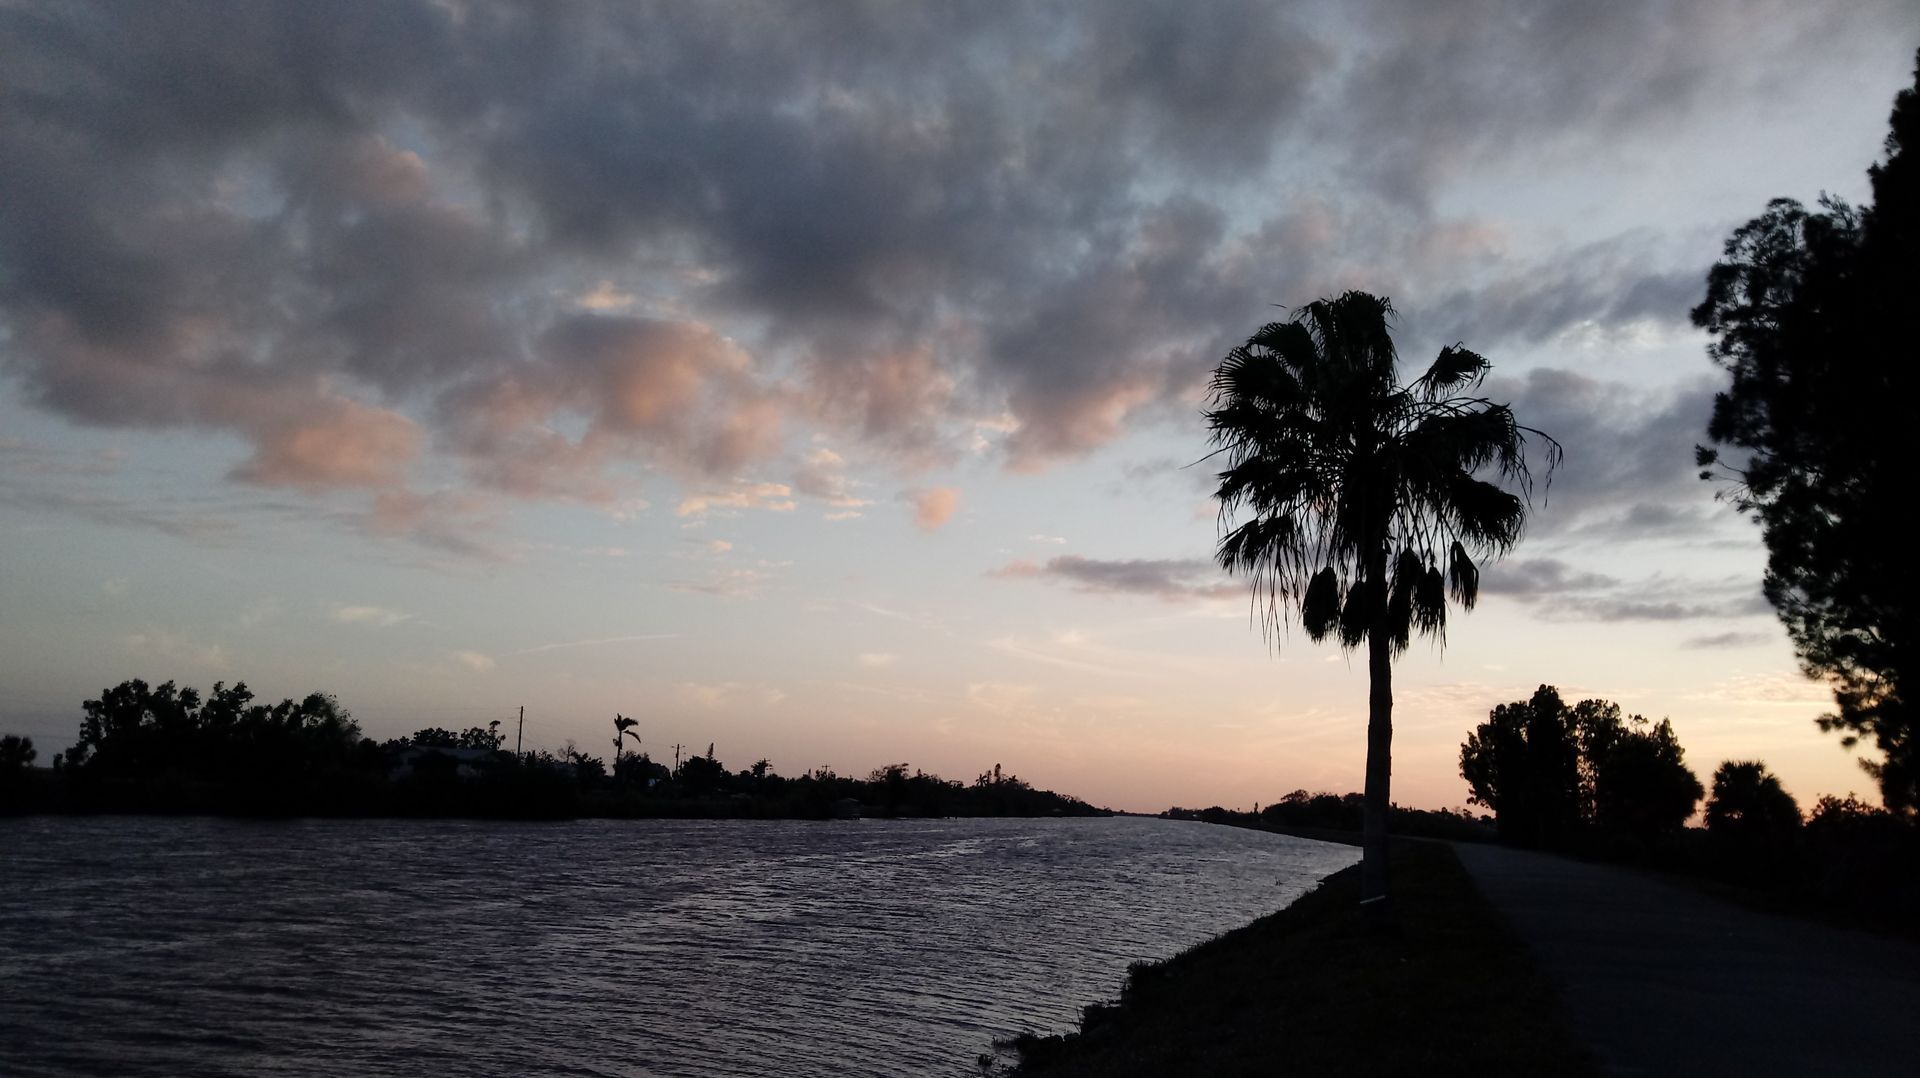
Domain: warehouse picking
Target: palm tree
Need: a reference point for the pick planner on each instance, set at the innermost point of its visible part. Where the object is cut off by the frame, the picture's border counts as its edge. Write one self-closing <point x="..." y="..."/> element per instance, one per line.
<point x="1366" y="500"/>
<point x="622" y="729"/>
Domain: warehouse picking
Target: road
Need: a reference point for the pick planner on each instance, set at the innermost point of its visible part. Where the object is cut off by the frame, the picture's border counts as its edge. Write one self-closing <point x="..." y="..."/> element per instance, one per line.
<point x="1659" y="979"/>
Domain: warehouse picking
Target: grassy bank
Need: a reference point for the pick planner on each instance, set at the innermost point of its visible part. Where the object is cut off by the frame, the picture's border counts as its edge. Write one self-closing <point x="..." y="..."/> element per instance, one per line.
<point x="1309" y="991"/>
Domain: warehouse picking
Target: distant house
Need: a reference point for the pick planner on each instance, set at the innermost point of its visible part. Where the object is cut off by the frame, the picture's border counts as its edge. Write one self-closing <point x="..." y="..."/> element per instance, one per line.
<point x="468" y="763"/>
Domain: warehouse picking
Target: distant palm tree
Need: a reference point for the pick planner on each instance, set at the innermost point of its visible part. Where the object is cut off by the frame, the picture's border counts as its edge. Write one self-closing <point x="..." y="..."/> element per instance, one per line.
<point x="1366" y="501"/>
<point x="622" y="729"/>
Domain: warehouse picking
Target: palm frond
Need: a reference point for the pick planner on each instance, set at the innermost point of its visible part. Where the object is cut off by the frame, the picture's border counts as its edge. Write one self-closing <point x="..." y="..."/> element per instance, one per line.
<point x="1463" y="577"/>
<point x="1430" y="604"/>
<point x="1328" y="456"/>
<point x="1320" y="609"/>
<point x="1407" y="569"/>
<point x="1356" y="614"/>
<point x="1454" y="369"/>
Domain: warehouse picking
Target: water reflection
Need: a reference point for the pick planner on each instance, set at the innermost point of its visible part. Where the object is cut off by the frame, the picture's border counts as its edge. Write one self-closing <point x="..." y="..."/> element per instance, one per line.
<point x="695" y="948"/>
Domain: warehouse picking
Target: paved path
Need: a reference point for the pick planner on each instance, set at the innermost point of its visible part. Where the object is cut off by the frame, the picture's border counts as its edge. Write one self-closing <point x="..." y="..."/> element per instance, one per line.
<point x="1659" y="979"/>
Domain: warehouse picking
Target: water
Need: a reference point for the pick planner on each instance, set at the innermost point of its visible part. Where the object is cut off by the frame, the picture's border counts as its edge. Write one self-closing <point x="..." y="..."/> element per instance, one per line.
<point x="142" y="946"/>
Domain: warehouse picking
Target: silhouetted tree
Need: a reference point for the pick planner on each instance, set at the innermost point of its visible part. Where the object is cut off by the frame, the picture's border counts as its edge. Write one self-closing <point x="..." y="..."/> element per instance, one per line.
<point x="433" y="737"/>
<point x="891" y="785"/>
<point x="16" y="754"/>
<point x="1365" y="496"/>
<point x="1635" y="780"/>
<point x="588" y="770"/>
<point x="701" y="775"/>
<point x="623" y="729"/>
<point x="16" y="757"/>
<point x="1524" y="764"/>
<point x="1811" y="314"/>
<point x="486" y="737"/>
<point x="1749" y="802"/>
<point x="148" y="742"/>
<point x="1546" y="769"/>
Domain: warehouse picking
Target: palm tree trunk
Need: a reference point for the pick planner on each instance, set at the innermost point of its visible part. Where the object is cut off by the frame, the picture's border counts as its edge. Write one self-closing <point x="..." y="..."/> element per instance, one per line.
<point x="1377" y="799"/>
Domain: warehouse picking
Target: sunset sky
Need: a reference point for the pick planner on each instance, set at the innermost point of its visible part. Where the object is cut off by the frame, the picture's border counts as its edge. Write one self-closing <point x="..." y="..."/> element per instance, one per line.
<point x="821" y="380"/>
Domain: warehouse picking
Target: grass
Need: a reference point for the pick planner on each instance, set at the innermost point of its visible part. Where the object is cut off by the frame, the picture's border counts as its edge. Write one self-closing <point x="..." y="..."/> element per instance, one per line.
<point x="1311" y="991"/>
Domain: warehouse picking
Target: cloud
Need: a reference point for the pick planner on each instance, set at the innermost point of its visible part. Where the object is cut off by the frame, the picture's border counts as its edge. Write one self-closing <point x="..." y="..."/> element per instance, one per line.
<point x="171" y="647"/>
<point x="877" y="659"/>
<point x="1171" y="579"/>
<point x="180" y="523"/>
<point x="448" y="522"/>
<point x="934" y="506"/>
<point x="739" y="583"/>
<point x="1441" y="90"/>
<point x="672" y="392"/>
<point x="713" y="697"/>
<point x="22" y="457"/>
<point x="1629" y="471"/>
<point x="743" y="494"/>
<point x="472" y="660"/>
<point x="822" y="474"/>
<point x="1001" y="697"/>
<point x="1730" y="640"/>
<point x="602" y="641"/>
<point x="552" y="277"/>
<point x="1557" y="591"/>
<point x="379" y="617"/>
<point x="1769" y="690"/>
<point x="605" y="297"/>
<point x="898" y="399"/>
<point x="1621" y="281"/>
<point x="1531" y="578"/>
<point x="338" y="444"/>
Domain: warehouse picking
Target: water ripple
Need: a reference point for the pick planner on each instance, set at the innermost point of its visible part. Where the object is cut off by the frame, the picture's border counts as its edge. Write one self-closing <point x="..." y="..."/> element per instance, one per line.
<point x="695" y="949"/>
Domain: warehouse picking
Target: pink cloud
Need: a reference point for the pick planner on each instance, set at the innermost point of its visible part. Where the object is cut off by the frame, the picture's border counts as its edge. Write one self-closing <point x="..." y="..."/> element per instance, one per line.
<point x="822" y="474"/>
<point x="934" y="506"/>
<point x="1056" y="425"/>
<point x="900" y="398"/>
<point x="337" y="443"/>
<point x="774" y="497"/>
<point x="675" y="393"/>
<point x="452" y="523"/>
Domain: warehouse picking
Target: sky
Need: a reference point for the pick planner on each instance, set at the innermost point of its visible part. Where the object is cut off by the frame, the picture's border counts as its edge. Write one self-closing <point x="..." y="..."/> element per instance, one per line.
<point x="823" y="381"/>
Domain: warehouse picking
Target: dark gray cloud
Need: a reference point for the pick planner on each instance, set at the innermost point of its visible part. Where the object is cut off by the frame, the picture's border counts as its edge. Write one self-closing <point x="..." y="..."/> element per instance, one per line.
<point x="1615" y="282"/>
<point x="1529" y="578"/>
<point x="22" y="457"/>
<point x="1555" y="590"/>
<point x="1628" y="471"/>
<point x="116" y="512"/>
<point x="1173" y="579"/>
<point x="357" y="235"/>
<point x="1629" y="608"/>
<point x="1730" y="640"/>
<point x="442" y="530"/>
<point x="1442" y="88"/>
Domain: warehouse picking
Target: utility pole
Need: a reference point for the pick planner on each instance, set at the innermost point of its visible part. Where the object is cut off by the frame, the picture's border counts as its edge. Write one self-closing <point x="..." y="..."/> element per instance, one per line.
<point x="521" y="732"/>
<point x="676" y="756"/>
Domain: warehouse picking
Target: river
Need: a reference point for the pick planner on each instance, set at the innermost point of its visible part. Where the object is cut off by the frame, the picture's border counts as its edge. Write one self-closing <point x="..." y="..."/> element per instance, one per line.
<point x="690" y="949"/>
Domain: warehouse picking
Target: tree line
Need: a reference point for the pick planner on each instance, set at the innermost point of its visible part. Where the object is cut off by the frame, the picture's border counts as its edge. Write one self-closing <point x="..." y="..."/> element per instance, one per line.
<point x="166" y="748"/>
<point x="1586" y="780"/>
<point x="1581" y="779"/>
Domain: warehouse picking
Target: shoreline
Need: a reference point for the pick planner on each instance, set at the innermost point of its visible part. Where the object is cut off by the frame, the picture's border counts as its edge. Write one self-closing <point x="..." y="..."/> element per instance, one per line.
<point x="1308" y="990"/>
